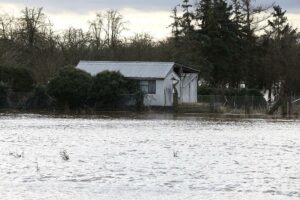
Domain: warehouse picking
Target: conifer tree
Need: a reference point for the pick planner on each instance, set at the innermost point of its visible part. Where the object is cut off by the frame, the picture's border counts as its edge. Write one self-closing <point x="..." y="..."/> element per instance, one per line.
<point x="282" y="58"/>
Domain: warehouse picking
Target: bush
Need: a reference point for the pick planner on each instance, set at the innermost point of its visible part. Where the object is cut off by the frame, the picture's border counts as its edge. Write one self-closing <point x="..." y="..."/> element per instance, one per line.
<point x="40" y="99"/>
<point x="70" y="87"/>
<point x="250" y="92"/>
<point x="206" y="90"/>
<point x="108" y="88"/>
<point x="18" y="79"/>
<point x="3" y="95"/>
<point x="4" y="74"/>
<point x="132" y="86"/>
<point x="22" y="80"/>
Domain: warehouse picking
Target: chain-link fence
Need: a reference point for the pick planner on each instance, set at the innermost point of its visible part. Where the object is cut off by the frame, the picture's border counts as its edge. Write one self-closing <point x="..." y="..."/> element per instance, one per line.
<point x="233" y="104"/>
<point x="127" y="100"/>
<point x="207" y="104"/>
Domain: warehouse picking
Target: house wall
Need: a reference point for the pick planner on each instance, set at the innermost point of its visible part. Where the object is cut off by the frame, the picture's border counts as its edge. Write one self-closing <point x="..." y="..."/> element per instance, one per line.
<point x="164" y="92"/>
<point x="168" y="88"/>
<point x="189" y="86"/>
<point x="158" y="98"/>
<point x="163" y="96"/>
<point x="186" y="88"/>
<point x="150" y="99"/>
<point x="296" y="108"/>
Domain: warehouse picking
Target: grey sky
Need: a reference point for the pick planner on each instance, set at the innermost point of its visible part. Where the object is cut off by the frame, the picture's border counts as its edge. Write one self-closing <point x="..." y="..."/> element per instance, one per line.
<point x="91" y="5"/>
<point x="88" y="5"/>
<point x="144" y="16"/>
<point x="290" y="5"/>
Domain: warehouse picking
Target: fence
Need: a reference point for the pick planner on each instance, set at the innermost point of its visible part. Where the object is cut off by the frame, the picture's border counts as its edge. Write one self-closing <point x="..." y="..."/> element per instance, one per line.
<point x="234" y="104"/>
<point x="209" y="104"/>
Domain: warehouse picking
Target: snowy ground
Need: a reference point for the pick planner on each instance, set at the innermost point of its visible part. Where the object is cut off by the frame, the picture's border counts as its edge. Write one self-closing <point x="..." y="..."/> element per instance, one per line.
<point x="124" y="159"/>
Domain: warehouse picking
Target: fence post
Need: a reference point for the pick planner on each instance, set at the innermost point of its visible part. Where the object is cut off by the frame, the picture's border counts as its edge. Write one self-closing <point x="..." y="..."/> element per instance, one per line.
<point x="212" y="103"/>
<point x="252" y="104"/>
<point x="290" y="106"/>
<point x="247" y="108"/>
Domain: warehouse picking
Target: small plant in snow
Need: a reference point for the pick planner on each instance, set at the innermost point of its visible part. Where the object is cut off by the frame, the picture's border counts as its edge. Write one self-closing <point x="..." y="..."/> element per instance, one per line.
<point x="175" y="154"/>
<point x="64" y="155"/>
<point x="17" y="155"/>
<point x="37" y="166"/>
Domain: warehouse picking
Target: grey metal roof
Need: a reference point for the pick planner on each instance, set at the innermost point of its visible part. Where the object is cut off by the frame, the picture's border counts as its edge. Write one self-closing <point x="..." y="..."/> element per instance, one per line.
<point x="129" y="69"/>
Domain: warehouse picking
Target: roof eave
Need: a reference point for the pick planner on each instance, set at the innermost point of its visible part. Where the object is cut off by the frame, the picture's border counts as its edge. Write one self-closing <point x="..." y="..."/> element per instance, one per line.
<point x="190" y="69"/>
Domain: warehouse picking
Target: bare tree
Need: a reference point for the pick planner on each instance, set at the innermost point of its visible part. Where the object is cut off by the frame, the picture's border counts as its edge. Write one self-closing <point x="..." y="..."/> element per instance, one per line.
<point x="32" y="25"/>
<point x="74" y="44"/>
<point x="255" y="15"/>
<point x="97" y="31"/>
<point x="7" y="27"/>
<point x="114" y="26"/>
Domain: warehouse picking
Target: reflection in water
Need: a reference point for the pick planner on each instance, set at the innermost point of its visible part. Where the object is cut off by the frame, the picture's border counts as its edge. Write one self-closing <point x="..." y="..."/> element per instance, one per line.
<point x="148" y="159"/>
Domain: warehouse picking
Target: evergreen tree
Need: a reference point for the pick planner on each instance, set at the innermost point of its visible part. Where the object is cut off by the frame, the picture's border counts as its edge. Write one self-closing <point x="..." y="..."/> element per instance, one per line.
<point x="204" y="13"/>
<point x="176" y="34"/>
<point x="187" y="19"/>
<point x="281" y="61"/>
<point x="219" y="36"/>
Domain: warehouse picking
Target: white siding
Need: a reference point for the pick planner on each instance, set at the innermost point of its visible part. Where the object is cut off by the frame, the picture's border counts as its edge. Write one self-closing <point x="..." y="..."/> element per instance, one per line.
<point x="189" y="84"/>
<point x="158" y="98"/>
<point x="168" y="90"/>
<point x="194" y="90"/>
<point x="164" y="92"/>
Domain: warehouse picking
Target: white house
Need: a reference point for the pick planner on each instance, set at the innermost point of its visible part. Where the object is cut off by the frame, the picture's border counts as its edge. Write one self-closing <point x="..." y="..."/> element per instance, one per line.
<point x="158" y="80"/>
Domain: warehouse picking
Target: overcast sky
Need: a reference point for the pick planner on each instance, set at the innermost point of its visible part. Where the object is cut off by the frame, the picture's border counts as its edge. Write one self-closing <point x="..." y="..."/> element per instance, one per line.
<point x="151" y="16"/>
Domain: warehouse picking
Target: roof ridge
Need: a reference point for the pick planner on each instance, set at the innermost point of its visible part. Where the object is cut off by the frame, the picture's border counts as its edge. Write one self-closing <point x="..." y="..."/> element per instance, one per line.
<point x="126" y="61"/>
<point x="129" y="68"/>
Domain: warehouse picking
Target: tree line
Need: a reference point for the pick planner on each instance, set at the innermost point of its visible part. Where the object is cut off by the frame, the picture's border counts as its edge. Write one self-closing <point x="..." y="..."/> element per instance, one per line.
<point x="237" y="43"/>
<point x="37" y="64"/>
<point x="29" y="41"/>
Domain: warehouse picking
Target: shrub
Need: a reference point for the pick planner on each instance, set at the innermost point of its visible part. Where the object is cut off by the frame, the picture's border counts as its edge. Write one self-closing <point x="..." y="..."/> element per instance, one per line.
<point x="22" y="80"/>
<point x="4" y="74"/>
<point x="3" y="95"/>
<point x="70" y="87"/>
<point x="206" y="90"/>
<point x="250" y="92"/>
<point x="132" y="86"/>
<point x="108" y="87"/>
<point x="40" y="99"/>
<point x="18" y="79"/>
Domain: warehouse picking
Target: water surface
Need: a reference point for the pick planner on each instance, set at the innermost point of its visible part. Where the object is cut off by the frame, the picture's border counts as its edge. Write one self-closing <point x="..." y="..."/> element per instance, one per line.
<point x="128" y="159"/>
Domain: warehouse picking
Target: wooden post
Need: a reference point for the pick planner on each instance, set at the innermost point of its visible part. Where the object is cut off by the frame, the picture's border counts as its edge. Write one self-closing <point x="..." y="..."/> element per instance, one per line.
<point x="247" y="107"/>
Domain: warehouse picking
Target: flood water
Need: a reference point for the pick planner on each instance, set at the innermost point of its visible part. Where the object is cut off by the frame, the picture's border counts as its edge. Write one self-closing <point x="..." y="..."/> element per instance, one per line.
<point x="137" y="159"/>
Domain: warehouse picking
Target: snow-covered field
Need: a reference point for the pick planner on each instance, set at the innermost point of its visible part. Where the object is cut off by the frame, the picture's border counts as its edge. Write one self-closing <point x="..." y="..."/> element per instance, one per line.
<point x="126" y="159"/>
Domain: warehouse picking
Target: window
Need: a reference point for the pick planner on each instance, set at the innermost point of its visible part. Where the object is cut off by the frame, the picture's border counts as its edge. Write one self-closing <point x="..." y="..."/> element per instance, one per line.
<point x="148" y="87"/>
<point x="144" y="85"/>
<point x="152" y="87"/>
